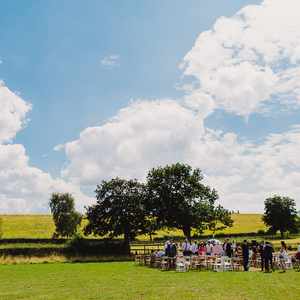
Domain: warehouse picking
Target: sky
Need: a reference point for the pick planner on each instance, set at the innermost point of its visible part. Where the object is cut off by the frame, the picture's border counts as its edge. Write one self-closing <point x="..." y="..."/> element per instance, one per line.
<point x="91" y="90"/>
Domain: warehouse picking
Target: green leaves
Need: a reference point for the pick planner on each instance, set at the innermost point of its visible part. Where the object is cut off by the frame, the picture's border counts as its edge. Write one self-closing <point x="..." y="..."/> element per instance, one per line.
<point x="178" y="198"/>
<point x="119" y="209"/>
<point x="173" y="196"/>
<point x="280" y="214"/>
<point x="65" y="217"/>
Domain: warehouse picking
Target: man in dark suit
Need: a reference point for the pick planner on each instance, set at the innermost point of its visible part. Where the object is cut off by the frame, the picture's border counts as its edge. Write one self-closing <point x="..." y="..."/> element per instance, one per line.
<point x="268" y="256"/>
<point x="245" y="251"/>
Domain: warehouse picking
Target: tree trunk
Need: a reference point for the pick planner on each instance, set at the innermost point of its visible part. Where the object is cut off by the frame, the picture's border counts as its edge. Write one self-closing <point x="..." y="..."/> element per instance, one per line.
<point x="127" y="236"/>
<point x="281" y="233"/>
<point x="187" y="231"/>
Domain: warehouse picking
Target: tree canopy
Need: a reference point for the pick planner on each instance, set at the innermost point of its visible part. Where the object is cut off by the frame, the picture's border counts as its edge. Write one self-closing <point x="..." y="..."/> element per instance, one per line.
<point x="280" y="214"/>
<point x="65" y="217"/>
<point x="178" y="198"/>
<point x="119" y="210"/>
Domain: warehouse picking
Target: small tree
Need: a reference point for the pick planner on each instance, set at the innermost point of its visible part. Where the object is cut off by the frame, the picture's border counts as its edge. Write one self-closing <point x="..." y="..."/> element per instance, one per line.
<point x="280" y="214"/>
<point x="119" y="210"/>
<point x="65" y="217"/>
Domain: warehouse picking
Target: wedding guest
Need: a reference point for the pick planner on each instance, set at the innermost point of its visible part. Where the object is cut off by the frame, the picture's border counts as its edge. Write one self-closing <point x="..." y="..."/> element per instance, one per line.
<point x="268" y="256"/>
<point x="202" y="249"/>
<point x="209" y="248"/>
<point x="283" y="256"/>
<point x="186" y="246"/>
<point x="245" y="251"/>
<point x="194" y="248"/>
<point x="217" y="249"/>
<point x="261" y="250"/>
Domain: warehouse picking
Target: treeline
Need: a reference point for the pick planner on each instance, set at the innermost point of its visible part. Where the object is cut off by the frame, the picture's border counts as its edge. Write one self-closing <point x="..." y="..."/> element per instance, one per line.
<point x="172" y="197"/>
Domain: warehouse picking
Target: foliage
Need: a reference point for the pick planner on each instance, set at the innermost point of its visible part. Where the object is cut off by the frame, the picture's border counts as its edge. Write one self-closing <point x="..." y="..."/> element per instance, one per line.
<point x="178" y="199"/>
<point x="65" y="217"/>
<point x="81" y="246"/>
<point x="280" y="214"/>
<point x="220" y="219"/>
<point x="119" y="210"/>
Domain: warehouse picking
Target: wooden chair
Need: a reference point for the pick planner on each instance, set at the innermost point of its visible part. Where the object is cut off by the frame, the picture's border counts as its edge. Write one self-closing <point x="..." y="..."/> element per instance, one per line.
<point x="237" y="264"/>
<point x="181" y="265"/>
<point x="165" y="264"/>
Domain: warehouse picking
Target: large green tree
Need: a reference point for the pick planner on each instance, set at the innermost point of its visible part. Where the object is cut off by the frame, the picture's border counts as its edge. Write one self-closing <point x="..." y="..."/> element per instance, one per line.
<point x="65" y="217"/>
<point x="280" y="214"/>
<point x="119" y="210"/>
<point x="177" y="198"/>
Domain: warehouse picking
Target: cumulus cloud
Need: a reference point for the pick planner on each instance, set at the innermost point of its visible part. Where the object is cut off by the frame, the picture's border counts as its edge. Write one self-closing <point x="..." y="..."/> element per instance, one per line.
<point x="247" y="59"/>
<point x="12" y="115"/>
<point x="148" y="134"/>
<point x="141" y="136"/>
<point x="27" y="189"/>
<point x="24" y="188"/>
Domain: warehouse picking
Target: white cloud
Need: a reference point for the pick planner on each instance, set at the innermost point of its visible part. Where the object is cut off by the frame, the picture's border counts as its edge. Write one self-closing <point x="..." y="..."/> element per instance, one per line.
<point x="111" y="60"/>
<point x="142" y="135"/>
<point x="147" y="134"/>
<point x="24" y="188"/>
<point x="58" y="147"/>
<point x="12" y="115"/>
<point x="246" y="59"/>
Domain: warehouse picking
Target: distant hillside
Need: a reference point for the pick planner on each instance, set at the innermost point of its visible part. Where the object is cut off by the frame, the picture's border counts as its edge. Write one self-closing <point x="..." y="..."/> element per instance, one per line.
<point x="41" y="226"/>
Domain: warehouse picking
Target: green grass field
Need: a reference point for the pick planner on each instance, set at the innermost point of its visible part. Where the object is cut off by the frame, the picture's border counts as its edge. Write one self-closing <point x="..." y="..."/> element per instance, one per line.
<point x="41" y="226"/>
<point x="126" y="281"/>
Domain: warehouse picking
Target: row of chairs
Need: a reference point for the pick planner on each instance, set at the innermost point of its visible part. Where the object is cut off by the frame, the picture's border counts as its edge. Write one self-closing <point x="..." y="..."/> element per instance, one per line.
<point x="186" y="263"/>
<point x="219" y="264"/>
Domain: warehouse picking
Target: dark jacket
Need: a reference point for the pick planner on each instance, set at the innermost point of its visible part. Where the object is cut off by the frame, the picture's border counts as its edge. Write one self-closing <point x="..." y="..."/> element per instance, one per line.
<point x="268" y="251"/>
<point x="245" y="250"/>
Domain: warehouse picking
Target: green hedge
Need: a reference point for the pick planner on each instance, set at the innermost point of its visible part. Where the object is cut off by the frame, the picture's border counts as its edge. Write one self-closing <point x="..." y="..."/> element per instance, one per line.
<point x="81" y="247"/>
<point x="32" y="241"/>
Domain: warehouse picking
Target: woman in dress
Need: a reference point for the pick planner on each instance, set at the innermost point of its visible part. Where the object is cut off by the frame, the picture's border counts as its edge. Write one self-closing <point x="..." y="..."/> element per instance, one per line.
<point x="283" y="256"/>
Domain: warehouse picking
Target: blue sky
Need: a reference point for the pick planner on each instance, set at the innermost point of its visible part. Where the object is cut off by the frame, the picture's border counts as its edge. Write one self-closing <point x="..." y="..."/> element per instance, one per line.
<point x="52" y="51"/>
<point x="124" y="86"/>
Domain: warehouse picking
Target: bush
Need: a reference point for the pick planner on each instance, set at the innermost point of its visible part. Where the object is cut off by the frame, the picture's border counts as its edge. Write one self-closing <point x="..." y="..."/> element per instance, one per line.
<point x="81" y="246"/>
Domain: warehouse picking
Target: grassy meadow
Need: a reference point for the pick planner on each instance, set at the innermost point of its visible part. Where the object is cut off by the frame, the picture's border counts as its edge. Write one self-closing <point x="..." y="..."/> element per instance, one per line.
<point x="127" y="281"/>
<point x="41" y="226"/>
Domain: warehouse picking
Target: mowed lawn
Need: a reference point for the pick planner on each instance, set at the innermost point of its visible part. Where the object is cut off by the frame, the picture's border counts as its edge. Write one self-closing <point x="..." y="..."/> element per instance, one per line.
<point x="117" y="281"/>
<point x="41" y="226"/>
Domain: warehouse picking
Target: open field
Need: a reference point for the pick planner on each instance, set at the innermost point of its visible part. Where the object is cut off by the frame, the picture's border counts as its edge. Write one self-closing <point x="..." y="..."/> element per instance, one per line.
<point x="41" y="226"/>
<point x="126" y="281"/>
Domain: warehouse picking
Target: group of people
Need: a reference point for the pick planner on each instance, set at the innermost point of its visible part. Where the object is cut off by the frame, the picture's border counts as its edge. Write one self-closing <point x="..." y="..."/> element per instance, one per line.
<point x="245" y="251"/>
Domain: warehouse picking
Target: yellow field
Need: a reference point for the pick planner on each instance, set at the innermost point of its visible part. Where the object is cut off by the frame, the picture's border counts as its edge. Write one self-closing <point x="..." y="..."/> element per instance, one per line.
<point x="243" y="223"/>
<point x="41" y="226"/>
